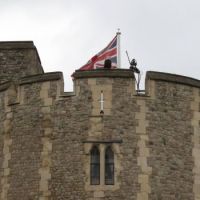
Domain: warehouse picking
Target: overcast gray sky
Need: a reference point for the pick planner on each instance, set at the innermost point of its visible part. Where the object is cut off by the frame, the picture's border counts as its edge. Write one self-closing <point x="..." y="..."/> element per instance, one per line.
<point x="163" y="35"/>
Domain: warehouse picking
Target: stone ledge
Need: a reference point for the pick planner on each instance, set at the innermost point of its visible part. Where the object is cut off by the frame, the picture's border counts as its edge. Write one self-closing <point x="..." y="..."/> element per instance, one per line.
<point x="67" y="94"/>
<point x="102" y="141"/>
<point x="113" y="73"/>
<point x="51" y="76"/>
<point x="174" y="78"/>
<point x="41" y="78"/>
<point x="17" y="45"/>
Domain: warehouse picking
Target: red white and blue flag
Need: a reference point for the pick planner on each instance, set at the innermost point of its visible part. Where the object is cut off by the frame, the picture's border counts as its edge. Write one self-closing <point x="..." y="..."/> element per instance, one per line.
<point x="97" y="61"/>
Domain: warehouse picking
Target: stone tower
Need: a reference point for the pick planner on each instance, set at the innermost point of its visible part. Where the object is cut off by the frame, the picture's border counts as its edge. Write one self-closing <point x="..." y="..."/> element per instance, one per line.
<point x="103" y="141"/>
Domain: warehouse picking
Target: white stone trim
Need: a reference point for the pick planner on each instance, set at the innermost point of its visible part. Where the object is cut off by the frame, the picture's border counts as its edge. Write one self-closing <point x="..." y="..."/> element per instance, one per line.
<point x="44" y="170"/>
<point x="143" y="177"/>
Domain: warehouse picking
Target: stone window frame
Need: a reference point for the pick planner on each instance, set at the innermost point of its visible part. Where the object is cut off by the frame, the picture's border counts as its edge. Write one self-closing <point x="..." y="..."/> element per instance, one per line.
<point x="88" y="145"/>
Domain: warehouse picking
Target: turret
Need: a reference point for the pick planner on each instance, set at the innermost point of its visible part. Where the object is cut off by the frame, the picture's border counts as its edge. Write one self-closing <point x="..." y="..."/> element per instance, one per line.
<point x="107" y="86"/>
<point x="18" y="59"/>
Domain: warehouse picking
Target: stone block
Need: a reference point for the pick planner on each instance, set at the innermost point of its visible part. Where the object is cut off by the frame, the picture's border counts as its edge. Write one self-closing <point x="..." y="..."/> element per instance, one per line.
<point x="48" y="101"/>
<point x="9" y="115"/>
<point x="195" y="106"/>
<point x="47" y="145"/>
<point x="99" y="194"/>
<point x="46" y="161"/>
<point x="45" y="174"/>
<point x="196" y="189"/>
<point x="142" y="178"/>
<point x="141" y="129"/>
<point x="144" y="152"/>
<point x="46" y="110"/>
<point x="142" y="196"/>
<point x="92" y="81"/>
<point x="43" y="185"/>
<point x="6" y="172"/>
<point x="48" y="131"/>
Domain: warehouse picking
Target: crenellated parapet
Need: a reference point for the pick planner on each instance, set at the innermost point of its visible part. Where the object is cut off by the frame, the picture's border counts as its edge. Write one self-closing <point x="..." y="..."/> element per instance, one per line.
<point x="18" y="59"/>
<point x="47" y="135"/>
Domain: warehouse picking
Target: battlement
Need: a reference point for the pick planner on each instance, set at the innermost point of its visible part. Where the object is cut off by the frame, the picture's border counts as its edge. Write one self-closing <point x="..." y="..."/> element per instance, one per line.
<point x="18" y="59"/>
<point x="47" y="135"/>
<point x="104" y="78"/>
<point x="172" y="78"/>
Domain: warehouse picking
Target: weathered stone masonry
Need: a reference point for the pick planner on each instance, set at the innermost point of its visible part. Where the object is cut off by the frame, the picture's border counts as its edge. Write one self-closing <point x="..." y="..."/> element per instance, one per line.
<point x="46" y="134"/>
<point x="143" y="177"/>
<point x="7" y="127"/>
<point x="196" y="143"/>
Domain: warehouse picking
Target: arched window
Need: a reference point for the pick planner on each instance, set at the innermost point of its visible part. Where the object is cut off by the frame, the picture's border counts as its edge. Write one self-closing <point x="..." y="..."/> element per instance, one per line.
<point x="95" y="166"/>
<point x="109" y="166"/>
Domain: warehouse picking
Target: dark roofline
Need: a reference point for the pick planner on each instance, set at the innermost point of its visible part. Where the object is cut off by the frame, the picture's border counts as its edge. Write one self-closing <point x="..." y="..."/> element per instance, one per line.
<point x="174" y="78"/>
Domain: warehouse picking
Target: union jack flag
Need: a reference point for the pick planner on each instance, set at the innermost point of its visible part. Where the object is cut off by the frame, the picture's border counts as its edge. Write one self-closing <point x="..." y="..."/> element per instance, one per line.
<point x="97" y="61"/>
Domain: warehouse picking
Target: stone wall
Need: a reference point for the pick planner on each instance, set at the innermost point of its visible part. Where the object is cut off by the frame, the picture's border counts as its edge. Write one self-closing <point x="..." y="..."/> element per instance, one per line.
<point x="18" y="59"/>
<point x="46" y="134"/>
<point x="2" y="116"/>
<point x="170" y="135"/>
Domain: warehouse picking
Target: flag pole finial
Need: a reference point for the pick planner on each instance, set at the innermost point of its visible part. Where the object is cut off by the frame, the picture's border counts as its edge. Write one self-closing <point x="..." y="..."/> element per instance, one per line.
<point x="118" y="31"/>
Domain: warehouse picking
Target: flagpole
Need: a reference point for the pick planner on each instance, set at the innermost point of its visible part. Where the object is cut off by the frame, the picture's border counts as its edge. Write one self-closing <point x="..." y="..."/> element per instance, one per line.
<point x="118" y="49"/>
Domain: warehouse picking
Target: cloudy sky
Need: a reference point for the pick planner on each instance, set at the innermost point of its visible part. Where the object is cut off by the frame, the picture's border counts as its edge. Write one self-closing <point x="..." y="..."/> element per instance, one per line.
<point x="163" y="35"/>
